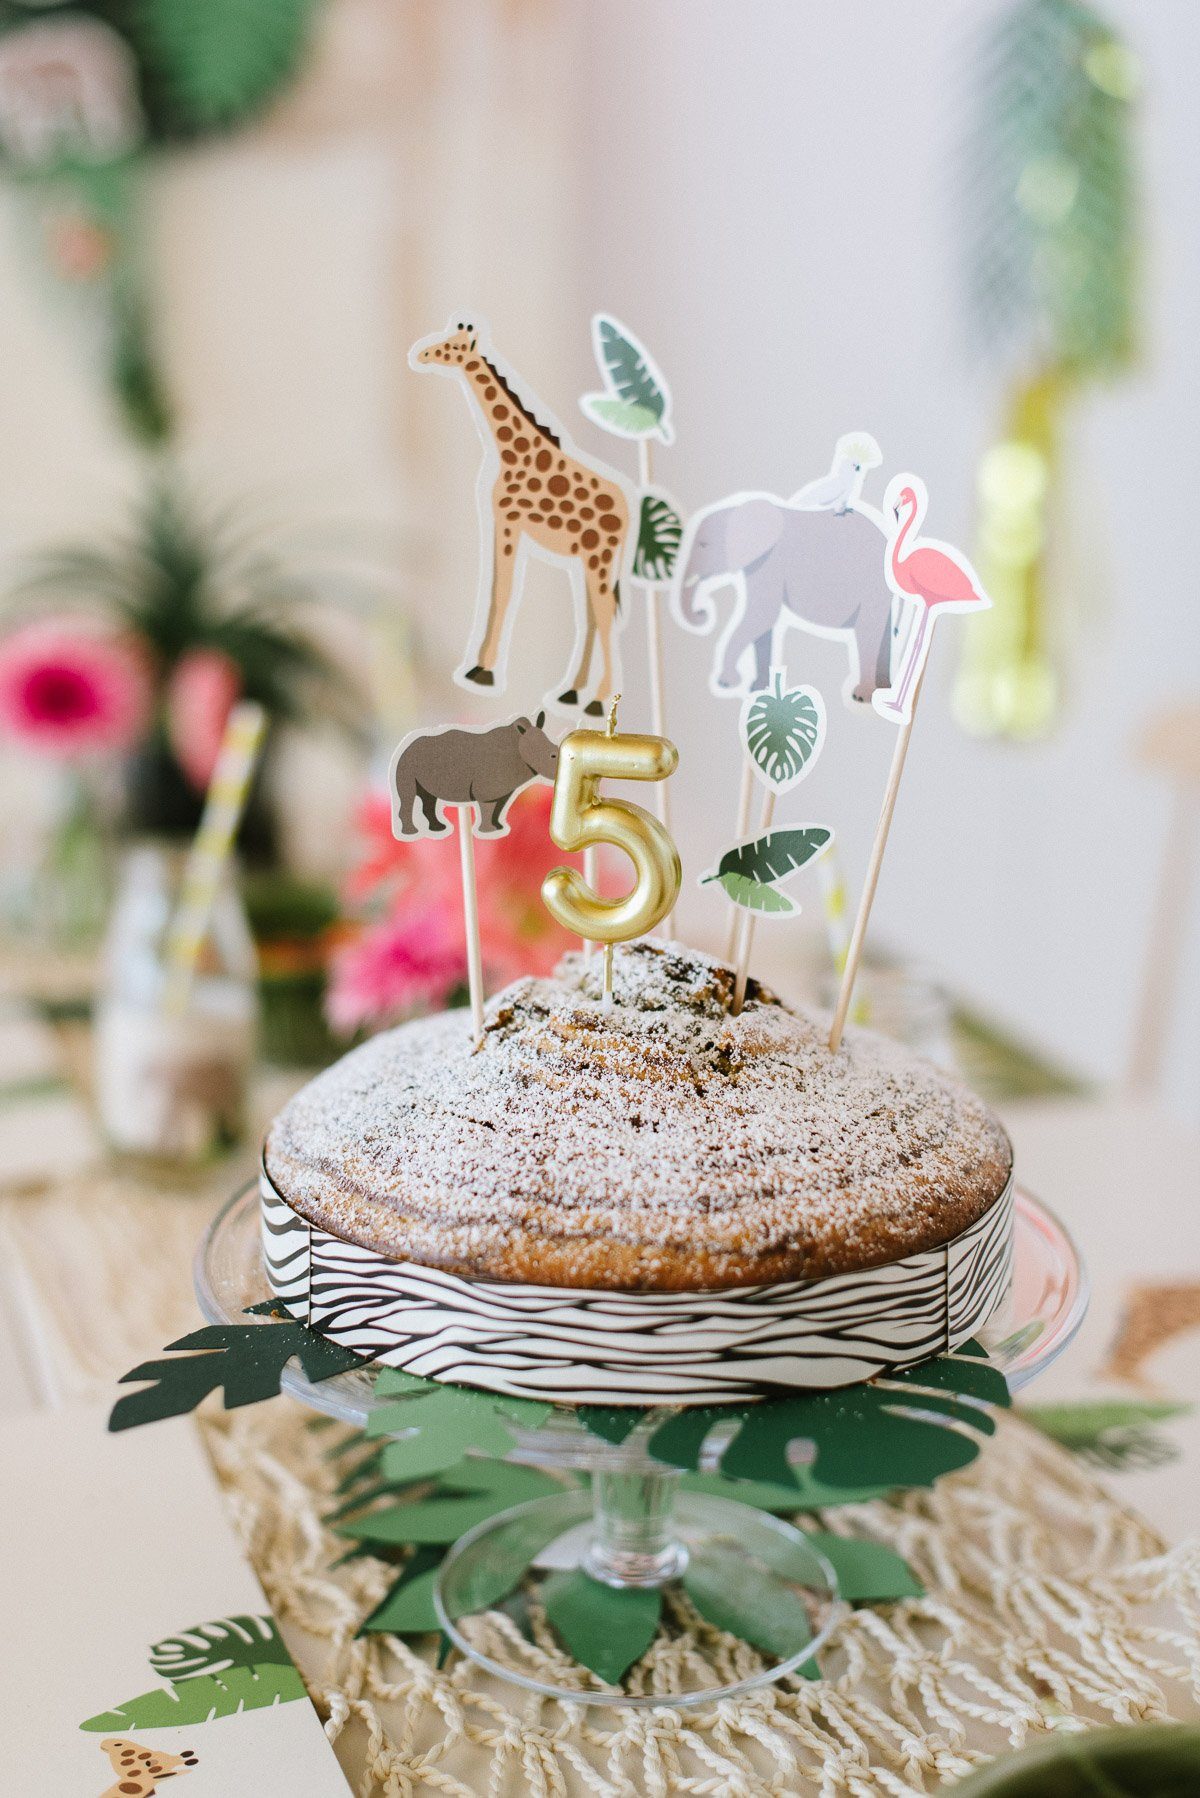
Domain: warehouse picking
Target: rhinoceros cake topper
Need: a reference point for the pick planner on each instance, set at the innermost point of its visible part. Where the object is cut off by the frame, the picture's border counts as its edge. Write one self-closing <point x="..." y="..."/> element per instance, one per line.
<point x="476" y="774"/>
<point x="537" y="496"/>
<point x="476" y="771"/>
<point x="814" y="562"/>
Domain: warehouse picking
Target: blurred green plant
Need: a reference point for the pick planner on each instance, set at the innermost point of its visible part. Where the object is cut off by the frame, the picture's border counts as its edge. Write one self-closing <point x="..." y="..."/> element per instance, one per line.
<point x="1050" y="206"/>
<point x="182" y="579"/>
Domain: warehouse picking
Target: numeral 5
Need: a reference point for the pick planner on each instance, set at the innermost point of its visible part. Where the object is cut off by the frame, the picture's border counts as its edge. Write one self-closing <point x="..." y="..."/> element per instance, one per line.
<point x="579" y="818"/>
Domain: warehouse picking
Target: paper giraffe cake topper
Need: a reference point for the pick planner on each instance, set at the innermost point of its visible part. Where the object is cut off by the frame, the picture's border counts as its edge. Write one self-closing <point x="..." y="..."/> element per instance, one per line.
<point x="636" y="401"/>
<point x="456" y="767"/>
<point x="933" y="575"/>
<point x="814" y="563"/>
<point x="538" y="495"/>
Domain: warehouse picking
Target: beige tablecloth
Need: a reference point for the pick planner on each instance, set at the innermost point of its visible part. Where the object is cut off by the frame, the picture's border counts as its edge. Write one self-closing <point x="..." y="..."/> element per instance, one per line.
<point x="1051" y="1604"/>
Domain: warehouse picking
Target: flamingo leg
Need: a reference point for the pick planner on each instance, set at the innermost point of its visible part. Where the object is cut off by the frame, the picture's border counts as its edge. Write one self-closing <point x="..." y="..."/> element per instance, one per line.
<point x="912" y="662"/>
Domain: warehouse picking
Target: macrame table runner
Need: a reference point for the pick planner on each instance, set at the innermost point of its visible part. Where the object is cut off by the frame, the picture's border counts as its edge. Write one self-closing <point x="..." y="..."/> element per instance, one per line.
<point x="1048" y="1605"/>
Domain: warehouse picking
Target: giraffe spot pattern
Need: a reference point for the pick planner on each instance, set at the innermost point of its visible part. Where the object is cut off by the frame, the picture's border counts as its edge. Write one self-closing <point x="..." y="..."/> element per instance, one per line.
<point x="544" y="459"/>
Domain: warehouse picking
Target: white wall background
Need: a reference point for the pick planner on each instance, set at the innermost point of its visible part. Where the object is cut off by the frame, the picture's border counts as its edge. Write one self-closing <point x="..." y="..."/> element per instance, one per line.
<point x="763" y="189"/>
<point x="769" y="201"/>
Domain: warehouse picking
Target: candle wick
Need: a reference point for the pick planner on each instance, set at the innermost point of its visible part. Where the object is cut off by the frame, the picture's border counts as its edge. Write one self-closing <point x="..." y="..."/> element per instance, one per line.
<point x="612" y="714"/>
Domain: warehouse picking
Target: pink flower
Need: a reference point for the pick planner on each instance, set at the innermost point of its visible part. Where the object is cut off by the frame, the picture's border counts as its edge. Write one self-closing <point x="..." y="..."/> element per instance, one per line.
<point x="409" y="963"/>
<point x="70" y="689"/>
<point x="203" y="689"/>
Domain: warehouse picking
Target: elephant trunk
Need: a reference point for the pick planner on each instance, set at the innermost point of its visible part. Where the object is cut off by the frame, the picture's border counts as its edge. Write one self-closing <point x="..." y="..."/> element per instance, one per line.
<point x="694" y="573"/>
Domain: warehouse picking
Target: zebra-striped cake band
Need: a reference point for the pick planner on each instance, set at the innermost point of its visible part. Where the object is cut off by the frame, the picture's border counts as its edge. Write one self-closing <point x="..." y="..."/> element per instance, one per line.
<point x="638" y="1347"/>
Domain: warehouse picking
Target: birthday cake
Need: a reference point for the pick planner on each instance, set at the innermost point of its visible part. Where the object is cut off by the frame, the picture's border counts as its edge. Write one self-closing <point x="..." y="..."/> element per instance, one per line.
<point x="649" y="1200"/>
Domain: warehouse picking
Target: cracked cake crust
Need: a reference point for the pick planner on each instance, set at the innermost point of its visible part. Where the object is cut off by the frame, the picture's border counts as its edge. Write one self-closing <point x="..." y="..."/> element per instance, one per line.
<point x="657" y="1145"/>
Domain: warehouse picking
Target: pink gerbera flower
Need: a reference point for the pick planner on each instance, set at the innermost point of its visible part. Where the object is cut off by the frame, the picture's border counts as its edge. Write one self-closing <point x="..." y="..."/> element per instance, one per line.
<point x="204" y="687"/>
<point x="69" y="689"/>
<point x="409" y="963"/>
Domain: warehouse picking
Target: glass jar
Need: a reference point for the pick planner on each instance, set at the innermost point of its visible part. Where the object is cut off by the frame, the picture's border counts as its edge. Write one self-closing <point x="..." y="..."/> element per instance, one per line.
<point x="171" y="1084"/>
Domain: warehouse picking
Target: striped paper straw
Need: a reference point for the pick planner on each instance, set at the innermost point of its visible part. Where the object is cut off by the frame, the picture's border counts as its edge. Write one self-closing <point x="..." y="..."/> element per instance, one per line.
<point x="211" y="848"/>
<point x="837" y="921"/>
<point x="837" y="912"/>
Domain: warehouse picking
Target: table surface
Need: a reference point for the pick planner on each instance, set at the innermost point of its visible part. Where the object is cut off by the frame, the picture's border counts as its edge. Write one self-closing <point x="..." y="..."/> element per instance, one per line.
<point x="74" y="1312"/>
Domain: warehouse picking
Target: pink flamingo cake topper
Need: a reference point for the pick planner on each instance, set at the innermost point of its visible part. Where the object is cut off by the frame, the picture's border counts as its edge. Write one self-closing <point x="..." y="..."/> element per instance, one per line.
<point x="935" y="576"/>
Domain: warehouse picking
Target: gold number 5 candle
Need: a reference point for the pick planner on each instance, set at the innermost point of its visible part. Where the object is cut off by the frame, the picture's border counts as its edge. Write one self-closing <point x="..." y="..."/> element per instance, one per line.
<point x="580" y="818"/>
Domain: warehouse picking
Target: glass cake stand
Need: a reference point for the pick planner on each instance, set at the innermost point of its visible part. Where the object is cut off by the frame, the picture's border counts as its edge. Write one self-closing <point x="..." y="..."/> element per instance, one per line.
<point x="633" y="1527"/>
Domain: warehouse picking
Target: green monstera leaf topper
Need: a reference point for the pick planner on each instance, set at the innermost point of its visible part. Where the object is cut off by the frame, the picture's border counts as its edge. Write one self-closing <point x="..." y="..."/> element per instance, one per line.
<point x="636" y="401"/>
<point x="660" y="531"/>
<point x="783" y="730"/>
<point x="215" y="1670"/>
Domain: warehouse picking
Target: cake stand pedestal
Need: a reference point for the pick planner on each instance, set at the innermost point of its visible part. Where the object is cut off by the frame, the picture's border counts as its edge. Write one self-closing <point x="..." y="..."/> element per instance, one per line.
<point x="636" y="1525"/>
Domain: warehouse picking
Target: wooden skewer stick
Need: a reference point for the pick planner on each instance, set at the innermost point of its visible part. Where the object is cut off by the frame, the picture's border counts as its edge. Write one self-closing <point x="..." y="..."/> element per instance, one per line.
<point x="654" y="654"/>
<point x="859" y="933"/>
<point x="466" y="852"/>
<point x="745" y="798"/>
<point x="748" y="922"/>
<point x="607" y="994"/>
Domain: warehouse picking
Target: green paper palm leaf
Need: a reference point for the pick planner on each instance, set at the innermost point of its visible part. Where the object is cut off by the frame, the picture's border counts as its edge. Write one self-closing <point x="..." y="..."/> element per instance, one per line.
<point x="751" y="1605"/>
<point x="215" y="1647"/>
<point x="756" y="895"/>
<point x="660" y="531"/>
<point x="192" y="1701"/>
<point x="635" y="402"/>
<point x="783" y="731"/>
<point x="1111" y="1434"/>
<point x="750" y="871"/>
<point x="606" y="1629"/>
<point x="244" y="1361"/>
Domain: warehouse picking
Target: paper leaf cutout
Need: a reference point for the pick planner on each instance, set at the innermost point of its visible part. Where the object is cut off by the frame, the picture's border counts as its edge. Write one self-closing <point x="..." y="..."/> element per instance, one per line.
<point x="915" y="1436"/>
<point x="749" y="871"/>
<point x="660" y="532"/>
<point x="538" y="495"/>
<point x="407" y="1609"/>
<point x="446" y="1428"/>
<point x="735" y="1595"/>
<point x="636" y="401"/>
<point x="192" y="1701"/>
<point x="776" y="855"/>
<point x="867" y="1572"/>
<point x="440" y="1520"/>
<point x="933" y="577"/>
<point x="783" y="730"/>
<point x="527" y="1412"/>
<point x="757" y="548"/>
<point x="214" y="1647"/>
<point x="755" y="895"/>
<point x="604" y="1628"/>
<point x="622" y="417"/>
<point x="610" y="1422"/>
<point x="246" y="1361"/>
<point x="433" y="771"/>
<point x="1110" y="1434"/>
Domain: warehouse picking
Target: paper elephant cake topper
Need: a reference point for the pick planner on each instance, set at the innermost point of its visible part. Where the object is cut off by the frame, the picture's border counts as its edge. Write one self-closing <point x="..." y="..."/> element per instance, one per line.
<point x="814" y="563"/>
<point x="537" y="495"/>
<point x="456" y="767"/>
